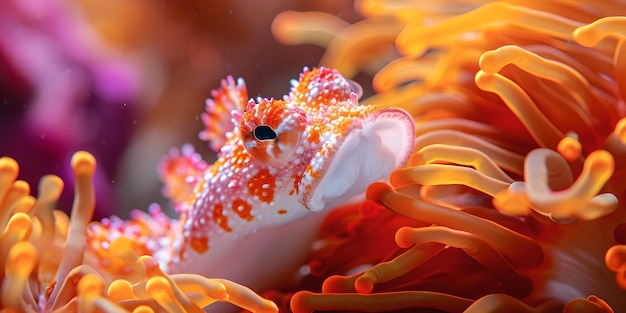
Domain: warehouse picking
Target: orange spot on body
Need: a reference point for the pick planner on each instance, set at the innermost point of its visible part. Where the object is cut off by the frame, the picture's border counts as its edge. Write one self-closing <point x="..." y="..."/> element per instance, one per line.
<point x="262" y="185"/>
<point x="296" y="183"/>
<point x="281" y="211"/>
<point x="199" y="244"/>
<point x="243" y="209"/>
<point x="344" y="126"/>
<point x="312" y="173"/>
<point x="220" y="219"/>
<point x="314" y="136"/>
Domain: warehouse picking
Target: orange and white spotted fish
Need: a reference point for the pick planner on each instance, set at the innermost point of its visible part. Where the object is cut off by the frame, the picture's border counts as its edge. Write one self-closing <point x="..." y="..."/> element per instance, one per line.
<point x="279" y="161"/>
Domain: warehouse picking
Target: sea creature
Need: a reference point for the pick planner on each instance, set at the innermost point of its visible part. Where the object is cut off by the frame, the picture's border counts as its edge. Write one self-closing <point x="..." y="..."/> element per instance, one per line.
<point x="278" y="162"/>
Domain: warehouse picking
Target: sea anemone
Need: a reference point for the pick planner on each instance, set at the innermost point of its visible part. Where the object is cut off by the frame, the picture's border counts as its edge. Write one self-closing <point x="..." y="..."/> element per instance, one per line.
<point x="517" y="175"/>
<point x="45" y="264"/>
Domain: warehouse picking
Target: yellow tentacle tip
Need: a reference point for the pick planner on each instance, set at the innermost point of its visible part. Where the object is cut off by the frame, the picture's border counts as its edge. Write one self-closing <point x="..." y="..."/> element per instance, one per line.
<point x="591" y="34"/>
<point x="404" y="237"/>
<point x="20" y="189"/>
<point x="513" y="200"/>
<point x="162" y="292"/>
<point x="50" y="188"/>
<point x="570" y="148"/>
<point x="143" y="309"/>
<point x="493" y="61"/>
<point x="20" y="262"/>
<point x="484" y="80"/>
<point x="25" y="205"/>
<point x="19" y="224"/>
<point x="615" y="260"/>
<point x="158" y="286"/>
<point x="120" y="290"/>
<point x="21" y="259"/>
<point x="89" y="288"/>
<point x="90" y="285"/>
<point x="365" y="283"/>
<point x="8" y="169"/>
<point x="148" y="265"/>
<point x="83" y="162"/>
<point x="600" y="164"/>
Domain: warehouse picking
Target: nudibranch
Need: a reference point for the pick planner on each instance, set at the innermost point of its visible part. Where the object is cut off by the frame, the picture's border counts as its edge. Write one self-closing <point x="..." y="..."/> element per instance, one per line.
<point x="279" y="161"/>
<point x="314" y="149"/>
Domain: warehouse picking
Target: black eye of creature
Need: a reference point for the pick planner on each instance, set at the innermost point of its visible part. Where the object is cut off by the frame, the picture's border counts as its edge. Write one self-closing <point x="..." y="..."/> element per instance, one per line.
<point x="264" y="132"/>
